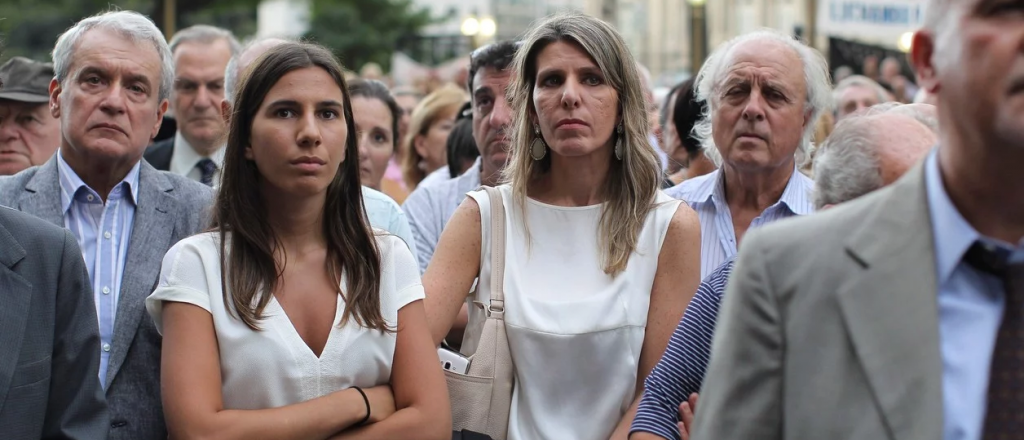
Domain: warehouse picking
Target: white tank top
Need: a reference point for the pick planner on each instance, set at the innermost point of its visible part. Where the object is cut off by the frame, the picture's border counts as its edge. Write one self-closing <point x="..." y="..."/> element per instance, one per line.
<point x="575" y="333"/>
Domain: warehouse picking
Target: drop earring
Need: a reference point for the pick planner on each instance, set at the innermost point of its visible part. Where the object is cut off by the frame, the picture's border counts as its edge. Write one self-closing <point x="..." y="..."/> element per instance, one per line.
<point x="538" y="149"/>
<point x="618" y="142"/>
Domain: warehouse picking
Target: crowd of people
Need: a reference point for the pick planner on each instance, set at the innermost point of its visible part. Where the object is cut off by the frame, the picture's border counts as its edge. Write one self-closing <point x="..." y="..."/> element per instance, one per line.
<point x="765" y="253"/>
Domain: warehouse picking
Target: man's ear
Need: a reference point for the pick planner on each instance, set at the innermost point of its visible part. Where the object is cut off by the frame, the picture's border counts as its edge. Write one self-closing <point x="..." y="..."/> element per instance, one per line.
<point x="922" y="55"/>
<point x="160" y="111"/>
<point x="55" y="90"/>
<point x="225" y="111"/>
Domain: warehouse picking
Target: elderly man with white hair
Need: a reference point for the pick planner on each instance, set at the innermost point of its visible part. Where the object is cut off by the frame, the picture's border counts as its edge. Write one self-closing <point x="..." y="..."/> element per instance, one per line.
<point x="113" y="75"/>
<point x="865" y="152"/>
<point x="856" y="93"/>
<point x="764" y="91"/>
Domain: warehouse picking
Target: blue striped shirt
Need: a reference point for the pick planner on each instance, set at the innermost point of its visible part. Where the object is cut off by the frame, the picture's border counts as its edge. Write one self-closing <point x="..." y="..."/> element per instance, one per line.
<point x="103" y="231"/>
<point x="681" y="369"/>
<point x="706" y="195"/>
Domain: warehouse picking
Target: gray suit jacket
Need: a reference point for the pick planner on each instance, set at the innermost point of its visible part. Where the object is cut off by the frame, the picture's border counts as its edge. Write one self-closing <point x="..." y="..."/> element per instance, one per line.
<point x="170" y="208"/>
<point x="50" y="342"/>
<point x="830" y="328"/>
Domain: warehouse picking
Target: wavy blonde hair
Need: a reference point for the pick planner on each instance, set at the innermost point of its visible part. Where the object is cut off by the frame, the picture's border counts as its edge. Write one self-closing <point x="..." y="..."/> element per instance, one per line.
<point x="445" y="100"/>
<point x="633" y="182"/>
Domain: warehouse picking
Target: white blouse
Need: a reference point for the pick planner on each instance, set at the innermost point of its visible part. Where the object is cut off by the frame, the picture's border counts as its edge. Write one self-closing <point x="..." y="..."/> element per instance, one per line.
<point x="575" y="333"/>
<point x="274" y="367"/>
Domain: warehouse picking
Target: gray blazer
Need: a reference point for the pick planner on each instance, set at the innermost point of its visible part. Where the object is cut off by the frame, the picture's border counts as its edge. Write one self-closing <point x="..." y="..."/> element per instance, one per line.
<point x="829" y="327"/>
<point x="50" y="342"/>
<point x="170" y="208"/>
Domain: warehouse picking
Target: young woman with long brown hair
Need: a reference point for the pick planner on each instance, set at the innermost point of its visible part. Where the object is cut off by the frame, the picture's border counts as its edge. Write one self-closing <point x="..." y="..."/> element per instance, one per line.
<point x="276" y="321"/>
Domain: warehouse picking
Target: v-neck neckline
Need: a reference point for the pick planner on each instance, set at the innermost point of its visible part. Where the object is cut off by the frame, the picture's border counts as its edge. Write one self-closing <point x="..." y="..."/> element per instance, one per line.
<point x="288" y="327"/>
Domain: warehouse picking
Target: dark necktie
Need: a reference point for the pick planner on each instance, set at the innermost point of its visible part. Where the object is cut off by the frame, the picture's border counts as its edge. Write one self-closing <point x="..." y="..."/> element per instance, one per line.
<point x="1004" y="418"/>
<point x="206" y="170"/>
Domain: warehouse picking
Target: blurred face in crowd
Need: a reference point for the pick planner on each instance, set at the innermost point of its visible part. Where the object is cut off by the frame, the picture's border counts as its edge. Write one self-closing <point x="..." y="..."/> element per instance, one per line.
<point x="671" y="142"/>
<point x="761" y="106"/>
<point x="901" y="143"/>
<point x="376" y="141"/>
<point x="299" y="133"/>
<point x="109" y="104"/>
<point x="29" y="135"/>
<point x="853" y="99"/>
<point x="407" y="103"/>
<point x="576" y="107"/>
<point x="432" y="144"/>
<point x="973" y="61"/>
<point x="491" y="117"/>
<point x="198" y="91"/>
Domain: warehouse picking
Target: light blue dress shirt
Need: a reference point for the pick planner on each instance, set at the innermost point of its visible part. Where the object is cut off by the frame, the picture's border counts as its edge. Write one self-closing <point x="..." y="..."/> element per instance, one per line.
<point x="706" y="195"/>
<point x="970" y="311"/>
<point x="103" y="231"/>
<point x="384" y="213"/>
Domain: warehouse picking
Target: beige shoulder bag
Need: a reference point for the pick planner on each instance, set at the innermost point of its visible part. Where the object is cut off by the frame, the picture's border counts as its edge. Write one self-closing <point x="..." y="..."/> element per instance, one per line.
<point x="481" y="398"/>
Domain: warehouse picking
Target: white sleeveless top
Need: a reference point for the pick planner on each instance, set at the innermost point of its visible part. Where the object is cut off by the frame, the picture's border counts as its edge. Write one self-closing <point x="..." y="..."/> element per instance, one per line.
<point x="274" y="367"/>
<point x="574" y="332"/>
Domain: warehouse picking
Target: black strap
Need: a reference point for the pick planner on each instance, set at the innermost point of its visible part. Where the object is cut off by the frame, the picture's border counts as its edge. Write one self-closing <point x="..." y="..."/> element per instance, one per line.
<point x="367" y="402"/>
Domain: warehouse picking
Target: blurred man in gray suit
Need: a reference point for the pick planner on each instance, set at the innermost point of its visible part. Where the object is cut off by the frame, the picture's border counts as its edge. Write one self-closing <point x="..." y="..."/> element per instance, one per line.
<point x="48" y="383"/>
<point x="113" y="77"/>
<point x="899" y="315"/>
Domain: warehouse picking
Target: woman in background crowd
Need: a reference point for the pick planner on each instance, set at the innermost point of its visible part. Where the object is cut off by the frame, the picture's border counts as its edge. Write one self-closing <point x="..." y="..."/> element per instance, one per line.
<point x="599" y="264"/>
<point x="682" y="110"/>
<point x="275" y="322"/>
<point x="424" y="144"/>
<point x="376" y="117"/>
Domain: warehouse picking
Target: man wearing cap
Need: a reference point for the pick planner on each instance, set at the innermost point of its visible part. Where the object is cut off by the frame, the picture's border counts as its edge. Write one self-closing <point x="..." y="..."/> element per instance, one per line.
<point x="29" y="134"/>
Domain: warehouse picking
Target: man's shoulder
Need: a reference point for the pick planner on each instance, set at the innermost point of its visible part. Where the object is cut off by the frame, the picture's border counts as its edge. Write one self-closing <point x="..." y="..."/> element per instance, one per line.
<point x="814" y="240"/>
<point x="12" y="186"/>
<point x="159" y="153"/>
<point x="696" y="186"/>
<point x="30" y="231"/>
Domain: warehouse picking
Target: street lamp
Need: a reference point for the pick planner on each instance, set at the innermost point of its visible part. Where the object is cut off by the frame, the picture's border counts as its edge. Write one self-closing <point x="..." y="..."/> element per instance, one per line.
<point x="698" y="35"/>
<point x="478" y="29"/>
<point x="905" y="42"/>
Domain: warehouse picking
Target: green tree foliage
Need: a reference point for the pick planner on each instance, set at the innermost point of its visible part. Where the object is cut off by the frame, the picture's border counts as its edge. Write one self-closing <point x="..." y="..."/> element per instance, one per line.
<point x="30" y="27"/>
<point x="361" y="31"/>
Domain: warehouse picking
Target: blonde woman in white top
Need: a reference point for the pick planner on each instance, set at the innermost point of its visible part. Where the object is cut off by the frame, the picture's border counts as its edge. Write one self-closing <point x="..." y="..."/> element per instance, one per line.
<point x="599" y="263"/>
<point x="293" y="320"/>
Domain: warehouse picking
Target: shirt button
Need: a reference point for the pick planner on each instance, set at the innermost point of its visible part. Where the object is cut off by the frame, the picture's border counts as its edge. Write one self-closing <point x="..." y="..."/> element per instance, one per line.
<point x="106" y="347"/>
<point x="106" y="290"/>
<point x="90" y="197"/>
<point x="106" y="235"/>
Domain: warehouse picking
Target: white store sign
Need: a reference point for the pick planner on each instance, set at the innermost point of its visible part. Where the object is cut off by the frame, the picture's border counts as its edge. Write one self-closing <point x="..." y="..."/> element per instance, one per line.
<point x="878" y="21"/>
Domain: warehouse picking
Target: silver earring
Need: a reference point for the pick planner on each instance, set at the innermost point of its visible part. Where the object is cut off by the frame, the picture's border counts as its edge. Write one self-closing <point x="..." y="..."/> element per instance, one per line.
<point x="618" y="142"/>
<point x="538" y="149"/>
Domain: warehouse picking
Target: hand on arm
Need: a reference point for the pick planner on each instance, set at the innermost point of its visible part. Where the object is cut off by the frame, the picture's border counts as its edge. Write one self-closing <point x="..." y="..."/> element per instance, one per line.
<point x="421" y="395"/>
<point x="675" y="283"/>
<point x="452" y="270"/>
<point x="686" y="411"/>
<point x="193" y="403"/>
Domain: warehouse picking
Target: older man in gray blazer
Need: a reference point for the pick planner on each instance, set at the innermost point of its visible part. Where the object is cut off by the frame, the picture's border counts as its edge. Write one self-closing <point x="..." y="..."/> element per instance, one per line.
<point x="899" y="315"/>
<point x="113" y="77"/>
<point x="48" y="334"/>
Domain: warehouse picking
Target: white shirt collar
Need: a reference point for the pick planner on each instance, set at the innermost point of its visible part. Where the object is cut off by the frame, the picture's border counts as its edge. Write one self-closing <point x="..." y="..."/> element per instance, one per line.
<point x="184" y="158"/>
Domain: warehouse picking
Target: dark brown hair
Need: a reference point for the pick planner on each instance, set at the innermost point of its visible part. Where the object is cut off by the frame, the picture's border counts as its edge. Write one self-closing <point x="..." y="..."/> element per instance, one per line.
<point x="241" y="209"/>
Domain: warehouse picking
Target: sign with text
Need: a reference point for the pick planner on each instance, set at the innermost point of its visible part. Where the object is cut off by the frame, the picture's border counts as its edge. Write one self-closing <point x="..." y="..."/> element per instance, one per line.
<point x="880" y="21"/>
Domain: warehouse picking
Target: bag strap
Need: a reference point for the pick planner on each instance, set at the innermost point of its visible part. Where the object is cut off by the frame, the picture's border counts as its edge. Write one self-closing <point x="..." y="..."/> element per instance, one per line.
<point x="497" y="251"/>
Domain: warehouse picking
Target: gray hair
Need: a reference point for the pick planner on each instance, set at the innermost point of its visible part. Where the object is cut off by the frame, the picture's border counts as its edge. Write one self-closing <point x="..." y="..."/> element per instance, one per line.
<point x="232" y="73"/>
<point x="205" y="34"/>
<point x="848" y="164"/>
<point x="819" y="89"/>
<point x="913" y="111"/>
<point x="133" y="26"/>
<point x="859" y="81"/>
